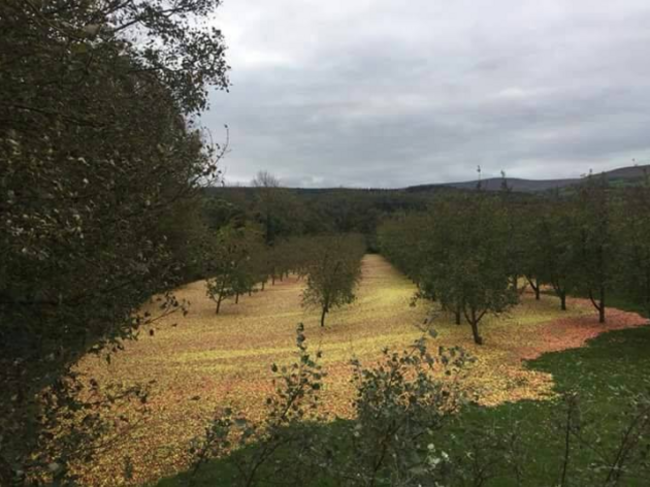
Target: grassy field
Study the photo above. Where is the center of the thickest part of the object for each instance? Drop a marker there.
(203, 362)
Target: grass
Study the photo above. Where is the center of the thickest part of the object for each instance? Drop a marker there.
(207, 362)
(605, 374)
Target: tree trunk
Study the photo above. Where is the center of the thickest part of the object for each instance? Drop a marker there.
(563, 301)
(534, 284)
(223, 287)
(457, 315)
(263, 284)
(237, 298)
(250, 292)
(473, 321)
(322, 317)
(6, 473)
(273, 279)
(477, 338)
(601, 307)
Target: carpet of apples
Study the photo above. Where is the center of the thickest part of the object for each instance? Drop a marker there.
(197, 364)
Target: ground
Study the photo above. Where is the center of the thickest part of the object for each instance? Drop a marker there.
(203, 362)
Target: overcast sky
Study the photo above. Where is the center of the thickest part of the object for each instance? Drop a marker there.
(391, 93)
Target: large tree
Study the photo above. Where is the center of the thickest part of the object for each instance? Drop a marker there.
(98, 156)
(471, 267)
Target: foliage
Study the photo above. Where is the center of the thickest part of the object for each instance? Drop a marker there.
(632, 242)
(596, 260)
(296, 399)
(97, 160)
(275, 208)
(294, 212)
(400, 242)
(400, 405)
(558, 252)
(232, 266)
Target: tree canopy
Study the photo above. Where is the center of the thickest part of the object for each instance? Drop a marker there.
(99, 157)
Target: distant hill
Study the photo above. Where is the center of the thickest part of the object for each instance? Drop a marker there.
(625, 176)
(621, 177)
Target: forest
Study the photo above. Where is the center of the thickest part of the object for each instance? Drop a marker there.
(338, 337)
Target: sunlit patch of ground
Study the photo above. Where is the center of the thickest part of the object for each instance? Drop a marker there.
(204, 361)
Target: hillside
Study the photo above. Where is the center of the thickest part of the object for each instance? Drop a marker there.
(625, 176)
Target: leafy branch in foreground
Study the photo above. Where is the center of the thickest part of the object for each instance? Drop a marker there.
(296, 398)
(400, 405)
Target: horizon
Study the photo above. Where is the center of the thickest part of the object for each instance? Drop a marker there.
(248, 184)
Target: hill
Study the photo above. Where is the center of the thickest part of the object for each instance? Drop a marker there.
(625, 176)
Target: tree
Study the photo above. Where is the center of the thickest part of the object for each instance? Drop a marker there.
(270, 205)
(98, 159)
(558, 256)
(471, 268)
(513, 211)
(265, 179)
(596, 259)
(533, 240)
(232, 272)
(631, 230)
(333, 273)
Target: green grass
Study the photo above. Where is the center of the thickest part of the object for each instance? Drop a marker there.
(605, 374)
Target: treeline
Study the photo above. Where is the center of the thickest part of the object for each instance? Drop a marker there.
(284, 212)
(474, 252)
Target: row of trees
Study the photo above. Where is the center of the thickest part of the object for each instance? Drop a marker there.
(472, 252)
(239, 262)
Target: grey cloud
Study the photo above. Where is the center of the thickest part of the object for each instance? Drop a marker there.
(388, 94)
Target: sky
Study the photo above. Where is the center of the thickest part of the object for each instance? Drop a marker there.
(392, 93)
